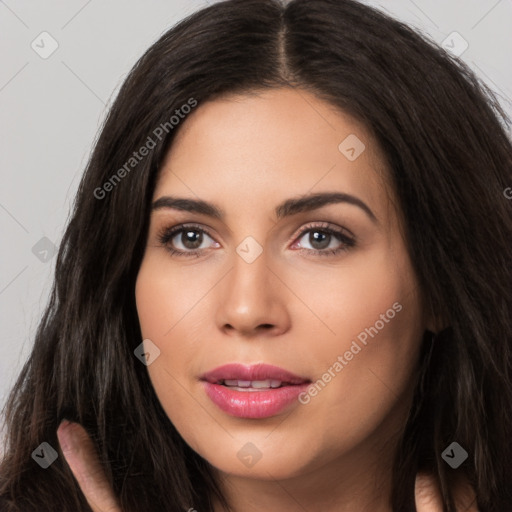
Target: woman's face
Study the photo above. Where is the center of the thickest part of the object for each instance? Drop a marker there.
(323, 290)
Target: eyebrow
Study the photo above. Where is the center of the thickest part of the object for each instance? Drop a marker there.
(285, 209)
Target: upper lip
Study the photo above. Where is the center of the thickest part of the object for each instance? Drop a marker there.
(260, 371)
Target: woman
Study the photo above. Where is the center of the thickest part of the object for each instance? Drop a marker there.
(285, 284)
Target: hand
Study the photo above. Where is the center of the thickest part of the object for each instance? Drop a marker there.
(80, 454)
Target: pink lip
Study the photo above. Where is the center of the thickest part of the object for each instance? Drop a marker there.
(252, 404)
(259, 371)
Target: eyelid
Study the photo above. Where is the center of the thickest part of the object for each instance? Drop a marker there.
(345, 236)
(324, 225)
(168, 233)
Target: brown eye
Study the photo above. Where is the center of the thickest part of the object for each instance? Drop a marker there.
(185, 240)
(192, 237)
(324, 240)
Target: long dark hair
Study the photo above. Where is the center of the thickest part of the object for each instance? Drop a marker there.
(443, 134)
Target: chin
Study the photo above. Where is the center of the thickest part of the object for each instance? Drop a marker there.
(245, 459)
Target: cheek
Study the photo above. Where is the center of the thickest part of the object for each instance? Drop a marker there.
(370, 361)
(373, 296)
(165, 294)
(171, 315)
(368, 355)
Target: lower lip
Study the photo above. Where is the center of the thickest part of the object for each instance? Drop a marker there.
(253, 404)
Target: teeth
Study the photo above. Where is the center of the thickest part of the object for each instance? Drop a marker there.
(238, 383)
(256, 384)
(260, 384)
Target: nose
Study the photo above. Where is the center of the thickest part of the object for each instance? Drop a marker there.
(252, 299)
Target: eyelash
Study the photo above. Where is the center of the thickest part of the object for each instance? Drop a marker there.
(167, 234)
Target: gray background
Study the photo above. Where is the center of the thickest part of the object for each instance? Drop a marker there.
(51, 109)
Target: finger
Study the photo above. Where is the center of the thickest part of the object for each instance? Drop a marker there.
(465, 498)
(427, 494)
(79, 452)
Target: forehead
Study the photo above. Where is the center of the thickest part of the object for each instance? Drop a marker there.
(263, 146)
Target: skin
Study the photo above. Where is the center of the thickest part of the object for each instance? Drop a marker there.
(291, 307)
(81, 456)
